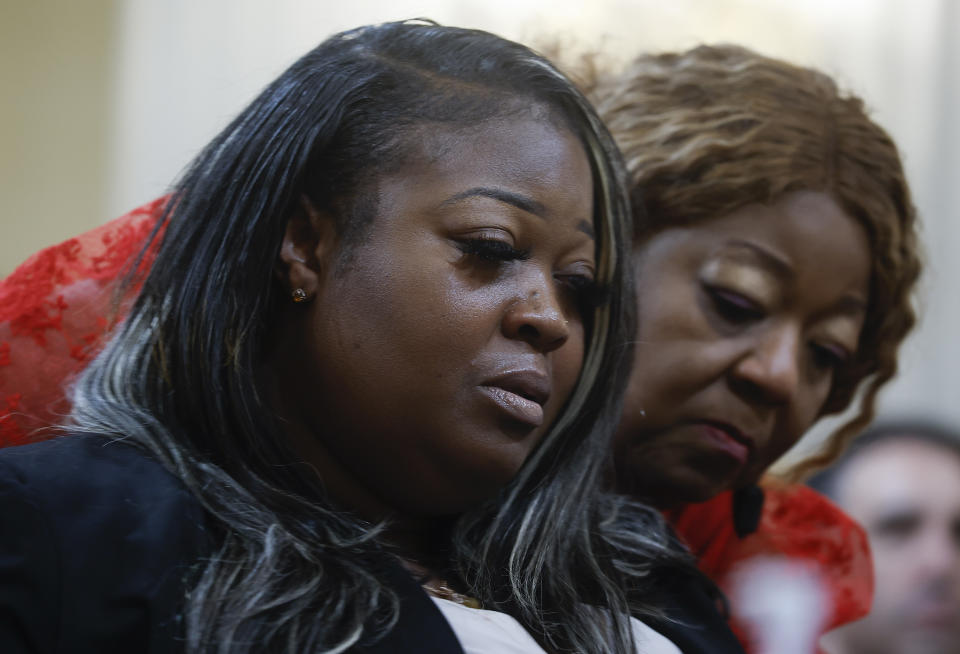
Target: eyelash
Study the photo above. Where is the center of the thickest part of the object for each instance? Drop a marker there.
(733, 307)
(827, 357)
(586, 291)
(492, 250)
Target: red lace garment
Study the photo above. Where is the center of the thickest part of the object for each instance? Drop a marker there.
(797, 522)
(55, 311)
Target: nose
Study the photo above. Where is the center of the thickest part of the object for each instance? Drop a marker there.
(770, 368)
(536, 316)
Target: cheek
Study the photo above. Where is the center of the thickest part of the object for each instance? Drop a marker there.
(807, 410)
(676, 353)
(400, 311)
(896, 573)
(791, 429)
(672, 376)
(377, 335)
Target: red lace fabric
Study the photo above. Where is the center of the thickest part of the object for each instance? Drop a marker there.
(797, 522)
(55, 311)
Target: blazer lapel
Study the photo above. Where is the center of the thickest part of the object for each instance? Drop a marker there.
(421, 627)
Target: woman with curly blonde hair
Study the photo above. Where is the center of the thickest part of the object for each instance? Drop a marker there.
(776, 252)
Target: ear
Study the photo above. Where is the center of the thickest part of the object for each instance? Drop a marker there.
(308, 248)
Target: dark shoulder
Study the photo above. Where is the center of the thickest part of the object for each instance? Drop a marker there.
(97, 543)
(694, 619)
(69, 460)
(88, 483)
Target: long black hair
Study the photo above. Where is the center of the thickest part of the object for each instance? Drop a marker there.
(290, 571)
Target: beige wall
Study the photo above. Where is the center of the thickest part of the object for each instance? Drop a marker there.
(55, 76)
(104, 102)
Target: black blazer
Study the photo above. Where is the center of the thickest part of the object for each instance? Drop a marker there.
(97, 541)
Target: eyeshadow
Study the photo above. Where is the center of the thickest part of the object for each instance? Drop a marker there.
(739, 276)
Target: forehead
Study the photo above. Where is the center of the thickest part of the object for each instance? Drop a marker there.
(518, 146)
(531, 153)
(803, 238)
(901, 474)
(804, 225)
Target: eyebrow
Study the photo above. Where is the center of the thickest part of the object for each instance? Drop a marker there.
(521, 202)
(851, 305)
(517, 200)
(848, 304)
(769, 260)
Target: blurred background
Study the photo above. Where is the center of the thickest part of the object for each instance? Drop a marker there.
(105, 101)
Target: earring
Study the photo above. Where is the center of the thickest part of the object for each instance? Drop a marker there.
(747, 509)
(299, 295)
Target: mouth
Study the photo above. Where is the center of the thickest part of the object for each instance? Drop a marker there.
(520, 395)
(729, 440)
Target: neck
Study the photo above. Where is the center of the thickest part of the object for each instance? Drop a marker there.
(412, 536)
(627, 484)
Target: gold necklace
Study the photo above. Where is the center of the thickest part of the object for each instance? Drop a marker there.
(438, 587)
(441, 589)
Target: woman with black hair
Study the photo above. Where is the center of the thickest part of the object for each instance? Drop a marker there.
(379, 351)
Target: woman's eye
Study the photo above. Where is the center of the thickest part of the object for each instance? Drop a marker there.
(585, 290)
(828, 357)
(896, 527)
(491, 250)
(735, 308)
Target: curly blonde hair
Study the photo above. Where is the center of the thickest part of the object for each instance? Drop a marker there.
(709, 130)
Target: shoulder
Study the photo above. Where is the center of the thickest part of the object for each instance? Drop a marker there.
(89, 483)
(693, 620)
(96, 542)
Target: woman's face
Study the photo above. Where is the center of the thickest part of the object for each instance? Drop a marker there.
(439, 354)
(742, 322)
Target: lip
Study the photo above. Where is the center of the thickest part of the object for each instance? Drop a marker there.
(728, 439)
(520, 394)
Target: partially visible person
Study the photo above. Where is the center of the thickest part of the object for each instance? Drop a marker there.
(776, 254)
(901, 481)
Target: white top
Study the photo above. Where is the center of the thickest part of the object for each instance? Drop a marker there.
(491, 632)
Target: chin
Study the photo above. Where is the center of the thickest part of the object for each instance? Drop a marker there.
(690, 488)
(468, 491)
(453, 503)
(694, 494)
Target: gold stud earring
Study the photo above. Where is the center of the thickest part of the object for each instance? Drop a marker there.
(299, 295)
